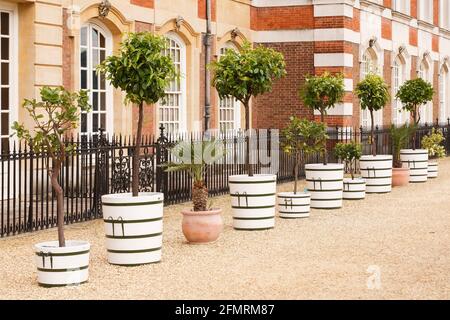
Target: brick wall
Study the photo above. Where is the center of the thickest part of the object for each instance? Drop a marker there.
(202, 9)
(144, 3)
(282, 18)
(272, 110)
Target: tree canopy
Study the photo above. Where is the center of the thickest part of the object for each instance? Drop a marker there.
(248, 72)
(323, 92)
(413, 94)
(141, 68)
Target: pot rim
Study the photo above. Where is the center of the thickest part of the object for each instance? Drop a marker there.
(336, 166)
(71, 246)
(212, 212)
(128, 197)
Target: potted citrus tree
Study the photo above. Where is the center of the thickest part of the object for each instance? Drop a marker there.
(201, 224)
(413, 94)
(63, 262)
(373, 94)
(349, 153)
(399, 139)
(301, 138)
(133, 221)
(242, 75)
(324, 180)
(433, 143)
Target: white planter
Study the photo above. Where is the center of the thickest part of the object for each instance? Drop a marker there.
(417, 162)
(354, 189)
(253, 201)
(62, 266)
(377, 171)
(325, 183)
(292, 206)
(433, 169)
(133, 228)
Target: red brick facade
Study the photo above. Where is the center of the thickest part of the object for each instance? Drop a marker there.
(273, 110)
(282, 18)
(144, 3)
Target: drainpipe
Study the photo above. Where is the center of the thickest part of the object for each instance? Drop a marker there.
(207, 43)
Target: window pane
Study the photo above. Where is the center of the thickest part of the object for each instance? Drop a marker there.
(84, 58)
(94, 80)
(83, 79)
(5, 48)
(95, 122)
(102, 41)
(103, 101)
(5, 98)
(83, 122)
(5, 124)
(95, 101)
(94, 38)
(83, 36)
(103, 121)
(5, 73)
(5, 145)
(4, 23)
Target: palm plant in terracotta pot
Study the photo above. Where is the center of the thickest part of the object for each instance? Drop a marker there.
(201, 224)
(399, 140)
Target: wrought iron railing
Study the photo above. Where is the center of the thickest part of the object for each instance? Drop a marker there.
(103, 165)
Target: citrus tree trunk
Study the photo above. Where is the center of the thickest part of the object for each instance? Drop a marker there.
(296, 166)
(372, 134)
(59, 200)
(415, 129)
(325, 151)
(248, 165)
(137, 153)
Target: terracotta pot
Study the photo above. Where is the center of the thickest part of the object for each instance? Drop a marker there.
(400, 177)
(202, 226)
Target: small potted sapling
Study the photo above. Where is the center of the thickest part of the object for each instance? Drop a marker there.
(242, 75)
(324, 180)
(63, 262)
(399, 139)
(349, 153)
(373, 94)
(413, 94)
(201, 224)
(433, 143)
(133, 221)
(301, 138)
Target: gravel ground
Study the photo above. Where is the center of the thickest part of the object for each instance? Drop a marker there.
(401, 239)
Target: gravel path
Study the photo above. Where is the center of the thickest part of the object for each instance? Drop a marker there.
(401, 239)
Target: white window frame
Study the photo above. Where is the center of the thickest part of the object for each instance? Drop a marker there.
(109, 110)
(13, 111)
(182, 126)
(444, 110)
(236, 105)
(399, 116)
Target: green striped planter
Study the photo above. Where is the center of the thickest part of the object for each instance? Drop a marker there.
(377, 171)
(133, 228)
(294, 205)
(417, 162)
(325, 183)
(62, 266)
(433, 169)
(253, 201)
(354, 189)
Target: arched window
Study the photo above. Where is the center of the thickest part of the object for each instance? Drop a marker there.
(95, 46)
(444, 112)
(398, 78)
(229, 108)
(172, 108)
(426, 111)
(369, 64)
